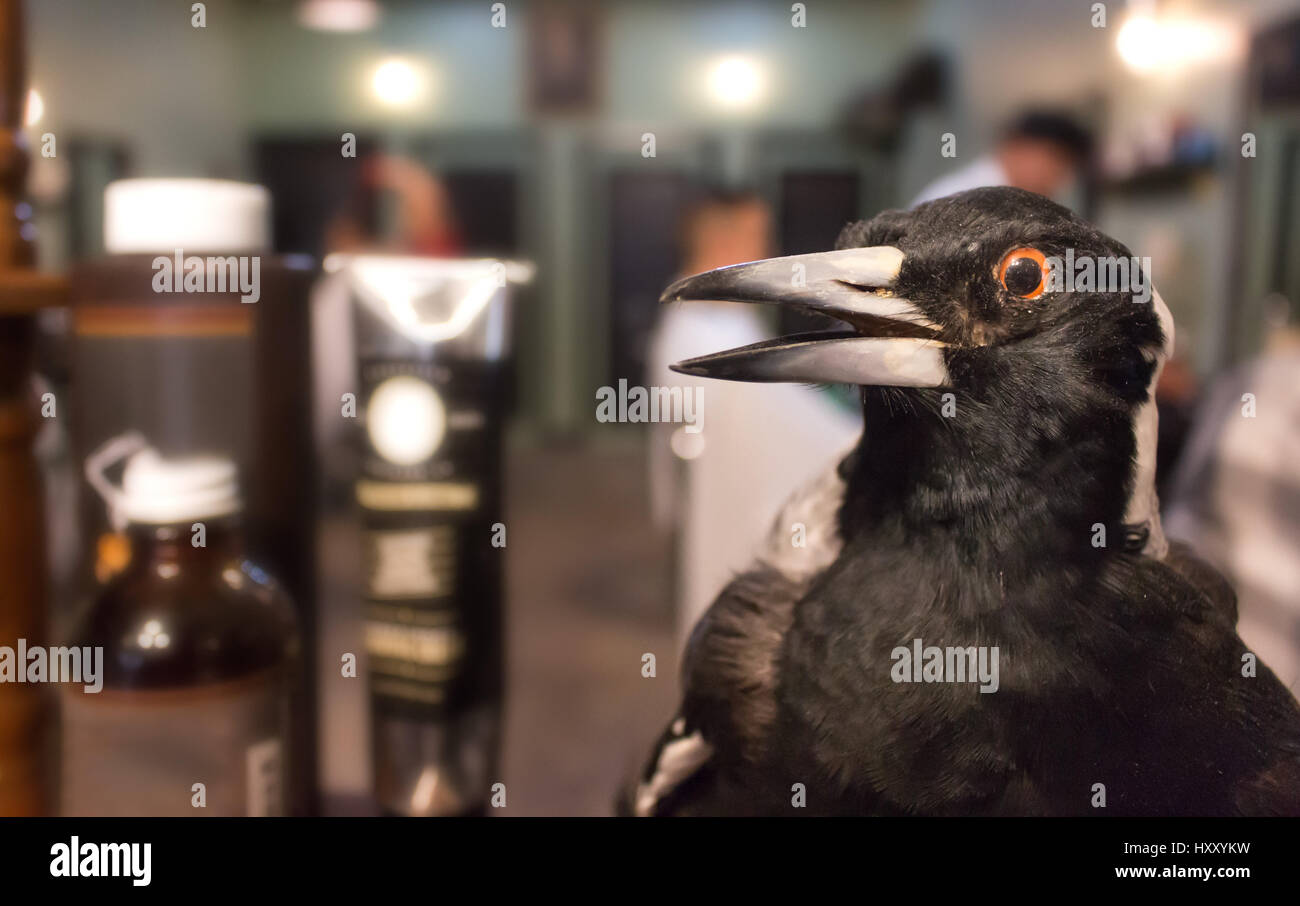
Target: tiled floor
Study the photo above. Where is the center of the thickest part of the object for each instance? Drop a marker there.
(589, 596)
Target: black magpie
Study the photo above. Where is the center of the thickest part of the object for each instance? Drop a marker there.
(1000, 505)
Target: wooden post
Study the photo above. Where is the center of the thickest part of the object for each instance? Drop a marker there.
(26, 753)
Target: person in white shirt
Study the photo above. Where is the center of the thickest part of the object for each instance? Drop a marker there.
(719, 490)
(1236, 495)
(1040, 150)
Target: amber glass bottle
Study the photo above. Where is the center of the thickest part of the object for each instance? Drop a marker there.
(200, 656)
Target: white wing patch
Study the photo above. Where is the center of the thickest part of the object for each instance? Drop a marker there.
(815, 506)
(678, 760)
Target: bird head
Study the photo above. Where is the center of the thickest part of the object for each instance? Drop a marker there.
(965, 301)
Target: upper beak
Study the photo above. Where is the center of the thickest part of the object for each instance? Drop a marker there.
(892, 342)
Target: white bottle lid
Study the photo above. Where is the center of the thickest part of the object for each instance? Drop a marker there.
(159, 491)
(199, 215)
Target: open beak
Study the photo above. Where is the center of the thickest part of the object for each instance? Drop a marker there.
(889, 341)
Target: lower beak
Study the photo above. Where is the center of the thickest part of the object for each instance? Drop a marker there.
(890, 342)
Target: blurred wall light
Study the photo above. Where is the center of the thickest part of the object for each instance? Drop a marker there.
(338, 15)
(735, 82)
(1148, 44)
(396, 83)
(35, 107)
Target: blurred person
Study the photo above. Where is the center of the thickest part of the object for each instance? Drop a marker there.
(721, 489)
(1236, 495)
(1042, 151)
(399, 207)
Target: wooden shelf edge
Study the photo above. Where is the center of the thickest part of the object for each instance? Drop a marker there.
(24, 292)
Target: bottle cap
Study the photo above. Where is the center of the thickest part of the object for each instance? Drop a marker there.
(199, 215)
(160, 491)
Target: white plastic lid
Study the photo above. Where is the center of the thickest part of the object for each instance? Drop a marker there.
(159, 491)
(200, 215)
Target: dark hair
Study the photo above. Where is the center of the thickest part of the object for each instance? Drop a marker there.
(1053, 127)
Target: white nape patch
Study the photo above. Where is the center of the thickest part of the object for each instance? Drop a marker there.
(815, 506)
(677, 761)
(1143, 503)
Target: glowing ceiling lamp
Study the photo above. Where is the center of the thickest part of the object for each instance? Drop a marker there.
(396, 83)
(1149, 44)
(735, 82)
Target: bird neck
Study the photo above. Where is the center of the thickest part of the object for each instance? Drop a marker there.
(995, 487)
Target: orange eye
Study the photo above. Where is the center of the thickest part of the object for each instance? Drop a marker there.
(1023, 273)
